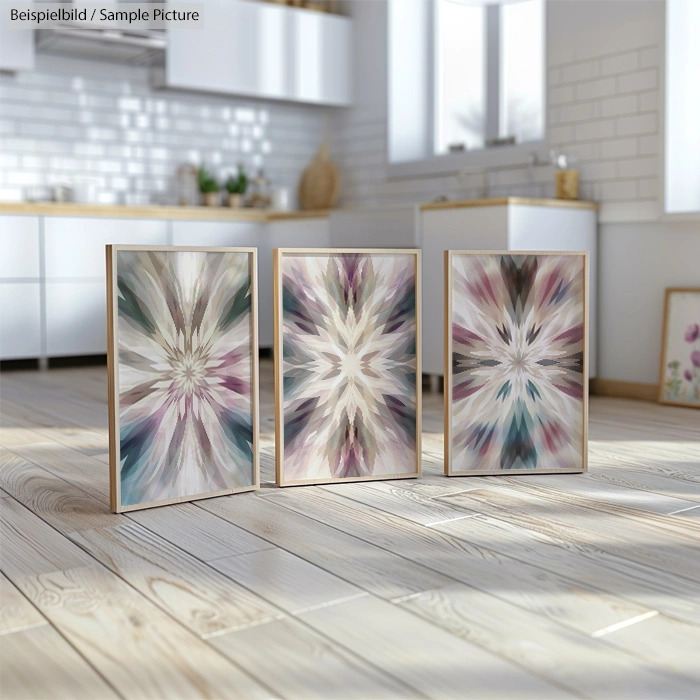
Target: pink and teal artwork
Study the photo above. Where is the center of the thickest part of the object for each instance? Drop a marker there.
(183, 363)
(680, 364)
(347, 344)
(516, 384)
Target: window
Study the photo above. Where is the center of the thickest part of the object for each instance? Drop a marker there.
(466, 77)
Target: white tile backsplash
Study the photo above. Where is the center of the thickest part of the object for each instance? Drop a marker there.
(72, 119)
(603, 111)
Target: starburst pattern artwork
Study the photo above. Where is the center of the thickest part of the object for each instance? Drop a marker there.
(184, 415)
(516, 374)
(348, 375)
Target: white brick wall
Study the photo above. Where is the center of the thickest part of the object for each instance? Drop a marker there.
(70, 119)
(603, 110)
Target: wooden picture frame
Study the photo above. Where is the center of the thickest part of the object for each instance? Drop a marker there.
(669, 394)
(448, 360)
(279, 256)
(113, 370)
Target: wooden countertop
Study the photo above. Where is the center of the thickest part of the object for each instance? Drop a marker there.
(113, 211)
(502, 201)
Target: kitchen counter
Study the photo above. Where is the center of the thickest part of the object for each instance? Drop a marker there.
(501, 201)
(114, 211)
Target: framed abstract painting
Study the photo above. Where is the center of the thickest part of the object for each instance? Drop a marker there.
(347, 365)
(516, 380)
(679, 384)
(183, 374)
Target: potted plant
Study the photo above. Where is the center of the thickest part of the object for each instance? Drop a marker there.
(209, 187)
(236, 185)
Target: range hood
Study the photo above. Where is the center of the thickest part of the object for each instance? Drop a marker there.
(116, 42)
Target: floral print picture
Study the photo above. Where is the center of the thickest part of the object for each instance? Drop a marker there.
(183, 372)
(680, 364)
(515, 380)
(348, 404)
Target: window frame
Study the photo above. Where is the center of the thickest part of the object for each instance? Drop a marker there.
(432, 164)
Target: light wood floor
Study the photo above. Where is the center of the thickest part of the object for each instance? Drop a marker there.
(537, 587)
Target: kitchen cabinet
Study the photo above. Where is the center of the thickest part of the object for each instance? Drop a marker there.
(20, 288)
(20, 320)
(321, 54)
(75, 274)
(76, 318)
(16, 45)
(382, 227)
(243, 234)
(263, 50)
(506, 224)
(75, 246)
(19, 247)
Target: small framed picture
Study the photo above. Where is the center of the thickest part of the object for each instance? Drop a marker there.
(182, 357)
(679, 383)
(347, 365)
(516, 375)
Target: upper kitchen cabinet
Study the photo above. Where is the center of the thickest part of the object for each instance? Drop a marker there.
(16, 45)
(264, 50)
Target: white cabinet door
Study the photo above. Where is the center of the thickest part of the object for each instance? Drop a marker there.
(16, 45)
(244, 234)
(321, 46)
(19, 247)
(75, 247)
(76, 318)
(386, 227)
(242, 48)
(259, 49)
(20, 320)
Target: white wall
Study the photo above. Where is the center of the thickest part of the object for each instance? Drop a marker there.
(71, 119)
(605, 80)
(637, 261)
(604, 85)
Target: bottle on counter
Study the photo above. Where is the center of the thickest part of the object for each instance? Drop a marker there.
(260, 191)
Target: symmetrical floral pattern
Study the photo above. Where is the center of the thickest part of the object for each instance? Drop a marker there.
(517, 362)
(185, 374)
(681, 383)
(349, 370)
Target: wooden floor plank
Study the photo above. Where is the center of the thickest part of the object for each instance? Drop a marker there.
(199, 532)
(558, 517)
(61, 503)
(16, 612)
(286, 580)
(31, 546)
(38, 664)
(519, 583)
(87, 473)
(436, 663)
(202, 599)
(644, 481)
(546, 648)
(601, 492)
(300, 664)
(137, 648)
(651, 588)
(673, 644)
(537, 566)
(416, 511)
(373, 569)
